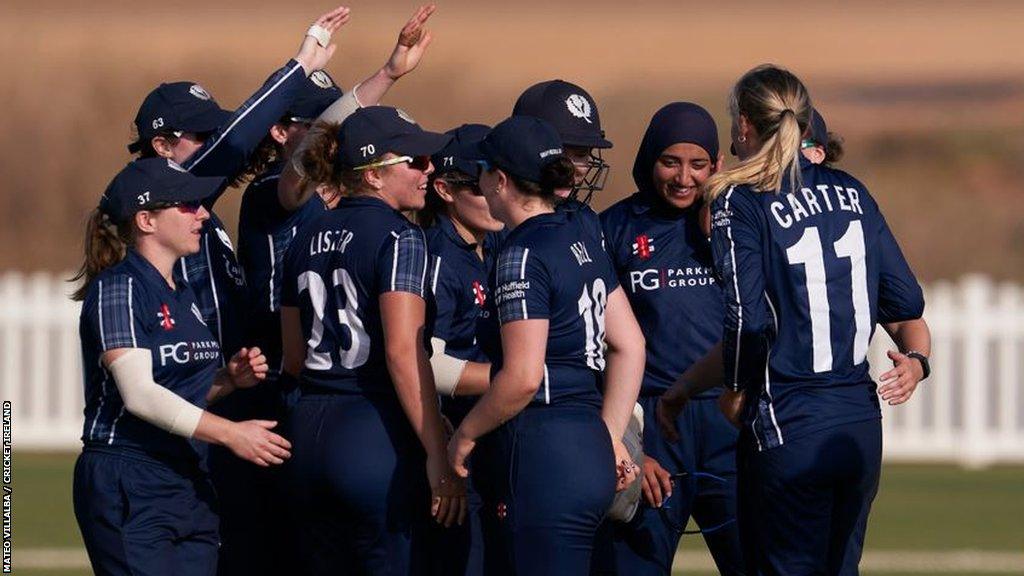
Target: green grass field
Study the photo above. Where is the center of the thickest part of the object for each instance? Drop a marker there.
(919, 508)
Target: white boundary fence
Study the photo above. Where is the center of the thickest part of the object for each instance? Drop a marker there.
(971, 411)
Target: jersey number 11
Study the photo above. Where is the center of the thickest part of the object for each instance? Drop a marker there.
(808, 252)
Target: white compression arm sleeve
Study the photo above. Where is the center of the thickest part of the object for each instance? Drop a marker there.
(143, 397)
(334, 114)
(447, 369)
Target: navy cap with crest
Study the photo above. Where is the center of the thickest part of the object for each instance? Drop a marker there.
(317, 93)
(370, 133)
(522, 146)
(817, 130)
(567, 107)
(461, 153)
(150, 183)
(177, 106)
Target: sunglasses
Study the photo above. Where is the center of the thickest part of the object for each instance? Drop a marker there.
(190, 207)
(421, 163)
(472, 185)
(807, 143)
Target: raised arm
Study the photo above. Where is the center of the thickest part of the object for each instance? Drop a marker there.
(226, 152)
(294, 189)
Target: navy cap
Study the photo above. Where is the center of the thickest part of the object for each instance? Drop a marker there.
(317, 93)
(177, 106)
(461, 153)
(817, 130)
(148, 183)
(522, 146)
(568, 108)
(371, 132)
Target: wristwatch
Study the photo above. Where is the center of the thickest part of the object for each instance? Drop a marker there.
(923, 360)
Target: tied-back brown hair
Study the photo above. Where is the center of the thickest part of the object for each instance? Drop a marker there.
(557, 174)
(106, 244)
(778, 106)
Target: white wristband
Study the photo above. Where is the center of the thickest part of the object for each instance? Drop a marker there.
(320, 34)
(447, 369)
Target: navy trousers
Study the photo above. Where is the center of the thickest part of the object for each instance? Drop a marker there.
(357, 487)
(548, 477)
(144, 517)
(804, 505)
(254, 536)
(703, 463)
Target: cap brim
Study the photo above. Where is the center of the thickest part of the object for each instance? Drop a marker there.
(586, 142)
(208, 121)
(419, 144)
(199, 188)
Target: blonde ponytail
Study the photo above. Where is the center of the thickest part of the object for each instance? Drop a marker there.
(778, 107)
(106, 244)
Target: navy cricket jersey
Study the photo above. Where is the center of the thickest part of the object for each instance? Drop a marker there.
(335, 271)
(130, 305)
(552, 267)
(265, 230)
(213, 272)
(807, 274)
(663, 261)
(587, 218)
(457, 303)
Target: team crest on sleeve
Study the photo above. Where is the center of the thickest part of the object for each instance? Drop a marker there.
(579, 107)
(166, 322)
(321, 79)
(199, 92)
(643, 246)
(198, 314)
(721, 218)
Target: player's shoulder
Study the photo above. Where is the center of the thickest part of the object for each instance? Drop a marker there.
(119, 283)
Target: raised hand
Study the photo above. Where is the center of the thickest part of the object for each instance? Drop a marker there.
(899, 384)
(412, 43)
(247, 367)
(312, 56)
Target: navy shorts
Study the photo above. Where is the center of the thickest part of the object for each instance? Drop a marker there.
(706, 453)
(804, 505)
(548, 478)
(357, 487)
(140, 516)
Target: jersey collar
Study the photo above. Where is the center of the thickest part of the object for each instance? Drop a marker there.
(448, 227)
(149, 273)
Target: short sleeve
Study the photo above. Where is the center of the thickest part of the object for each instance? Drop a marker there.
(523, 286)
(402, 263)
(445, 296)
(293, 259)
(899, 294)
(116, 314)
